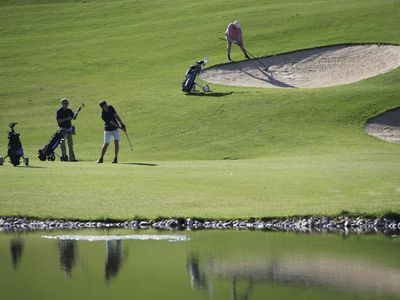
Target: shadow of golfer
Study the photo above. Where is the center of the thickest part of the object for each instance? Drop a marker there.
(35, 167)
(268, 79)
(140, 164)
(231, 158)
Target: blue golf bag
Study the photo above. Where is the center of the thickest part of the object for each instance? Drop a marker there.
(15, 151)
(189, 84)
(47, 151)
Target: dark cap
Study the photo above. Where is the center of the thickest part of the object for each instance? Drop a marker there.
(102, 103)
(64, 100)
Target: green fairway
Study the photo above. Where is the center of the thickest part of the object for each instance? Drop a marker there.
(318, 184)
(239, 152)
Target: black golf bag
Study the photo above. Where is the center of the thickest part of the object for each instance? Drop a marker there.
(189, 84)
(47, 151)
(15, 151)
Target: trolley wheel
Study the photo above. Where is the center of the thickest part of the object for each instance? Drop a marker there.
(26, 161)
(205, 88)
(1, 160)
(42, 156)
(51, 157)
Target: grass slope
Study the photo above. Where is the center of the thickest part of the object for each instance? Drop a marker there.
(298, 151)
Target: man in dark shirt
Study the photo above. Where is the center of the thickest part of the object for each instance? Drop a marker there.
(111, 124)
(64, 117)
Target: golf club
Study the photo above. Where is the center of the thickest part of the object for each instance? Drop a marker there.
(79, 109)
(127, 136)
(259, 61)
(252, 56)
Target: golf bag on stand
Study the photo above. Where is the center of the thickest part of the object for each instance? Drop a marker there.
(15, 151)
(189, 84)
(47, 151)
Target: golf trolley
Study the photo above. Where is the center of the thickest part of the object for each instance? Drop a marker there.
(15, 151)
(189, 84)
(47, 151)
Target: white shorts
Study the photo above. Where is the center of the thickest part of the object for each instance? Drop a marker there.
(108, 134)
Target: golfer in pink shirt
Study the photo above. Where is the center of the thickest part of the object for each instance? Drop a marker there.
(233, 34)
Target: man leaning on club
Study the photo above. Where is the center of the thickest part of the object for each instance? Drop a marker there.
(64, 117)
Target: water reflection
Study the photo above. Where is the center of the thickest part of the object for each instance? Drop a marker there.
(214, 266)
(244, 293)
(197, 278)
(114, 258)
(318, 271)
(67, 250)
(16, 249)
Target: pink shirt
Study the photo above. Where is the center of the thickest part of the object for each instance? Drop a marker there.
(234, 34)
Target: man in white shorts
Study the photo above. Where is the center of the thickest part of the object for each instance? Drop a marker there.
(111, 124)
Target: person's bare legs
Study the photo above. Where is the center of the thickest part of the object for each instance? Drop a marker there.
(103, 152)
(244, 51)
(116, 144)
(228, 49)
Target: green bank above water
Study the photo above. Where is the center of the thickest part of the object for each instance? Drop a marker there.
(305, 185)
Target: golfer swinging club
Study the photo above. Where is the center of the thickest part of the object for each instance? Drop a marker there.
(233, 34)
(111, 124)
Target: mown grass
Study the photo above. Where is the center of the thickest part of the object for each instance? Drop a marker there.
(296, 151)
(303, 185)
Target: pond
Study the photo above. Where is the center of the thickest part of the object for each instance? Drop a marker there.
(129, 264)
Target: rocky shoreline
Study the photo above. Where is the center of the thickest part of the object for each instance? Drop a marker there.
(307, 224)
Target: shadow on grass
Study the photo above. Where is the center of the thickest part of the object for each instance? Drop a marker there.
(140, 164)
(24, 167)
(210, 94)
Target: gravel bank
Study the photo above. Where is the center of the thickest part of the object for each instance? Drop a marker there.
(309, 224)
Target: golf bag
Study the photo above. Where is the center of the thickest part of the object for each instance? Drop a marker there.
(189, 84)
(15, 151)
(47, 151)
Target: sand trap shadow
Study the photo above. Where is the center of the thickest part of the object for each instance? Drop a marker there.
(310, 68)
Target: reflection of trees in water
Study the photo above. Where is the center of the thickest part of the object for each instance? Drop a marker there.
(68, 253)
(114, 258)
(197, 278)
(308, 271)
(16, 249)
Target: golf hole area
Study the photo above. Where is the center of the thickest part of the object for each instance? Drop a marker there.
(311, 68)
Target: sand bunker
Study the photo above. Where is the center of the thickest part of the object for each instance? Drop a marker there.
(385, 126)
(320, 67)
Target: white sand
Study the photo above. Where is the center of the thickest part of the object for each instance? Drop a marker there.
(386, 126)
(321, 67)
